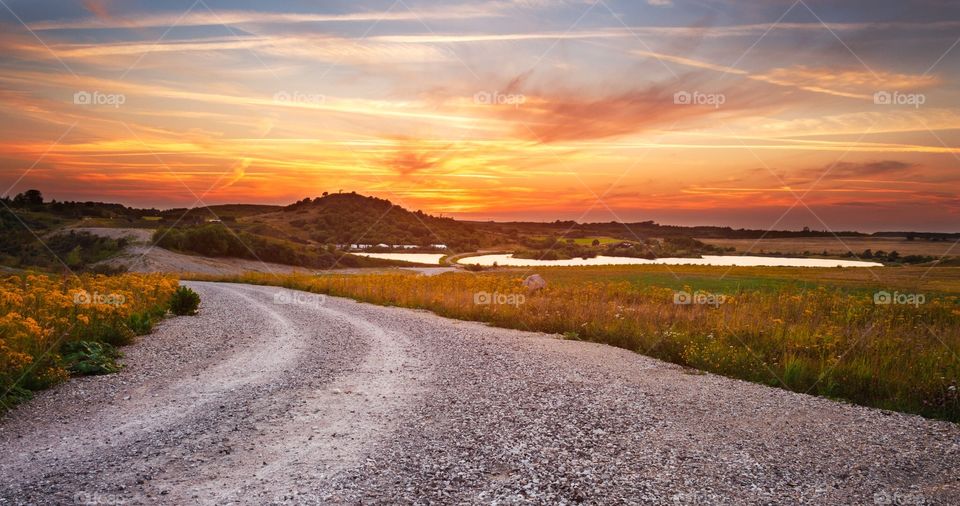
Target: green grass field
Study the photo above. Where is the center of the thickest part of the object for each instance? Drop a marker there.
(943, 280)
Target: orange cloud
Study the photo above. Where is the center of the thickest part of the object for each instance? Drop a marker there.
(409, 156)
(397, 112)
(99, 9)
(853, 83)
(201, 16)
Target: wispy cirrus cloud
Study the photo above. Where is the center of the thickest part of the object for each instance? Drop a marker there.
(400, 113)
(312, 48)
(845, 82)
(106, 19)
(856, 82)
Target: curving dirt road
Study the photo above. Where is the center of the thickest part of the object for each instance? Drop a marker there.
(298, 399)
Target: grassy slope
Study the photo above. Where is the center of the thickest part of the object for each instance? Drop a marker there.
(350, 218)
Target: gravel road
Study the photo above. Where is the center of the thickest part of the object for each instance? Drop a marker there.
(299, 399)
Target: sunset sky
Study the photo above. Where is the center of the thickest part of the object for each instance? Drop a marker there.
(509, 109)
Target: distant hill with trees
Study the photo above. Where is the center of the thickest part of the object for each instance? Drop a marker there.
(316, 232)
(350, 218)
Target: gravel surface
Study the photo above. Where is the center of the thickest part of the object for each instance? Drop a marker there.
(300, 399)
(149, 258)
(134, 235)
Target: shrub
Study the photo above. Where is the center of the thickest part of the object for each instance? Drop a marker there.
(184, 302)
(140, 323)
(90, 357)
(116, 333)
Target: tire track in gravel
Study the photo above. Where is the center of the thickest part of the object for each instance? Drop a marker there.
(283, 392)
(252, 365)
(327, 429)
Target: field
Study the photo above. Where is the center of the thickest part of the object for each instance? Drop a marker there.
(53, 326)
(943, 280)
(834, 246)
(817, 331)
(587, 241)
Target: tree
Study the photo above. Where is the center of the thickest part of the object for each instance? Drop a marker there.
(33, 198)
(29, 198)
(596, 242)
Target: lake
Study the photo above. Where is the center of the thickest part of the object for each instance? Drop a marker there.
(728, 260)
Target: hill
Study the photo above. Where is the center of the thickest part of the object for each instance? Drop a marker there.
(350, 218)
(645, 229)
(317, 232)
(223, 212)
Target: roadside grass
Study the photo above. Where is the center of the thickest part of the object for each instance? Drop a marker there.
(815, 331)
(52, 326)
